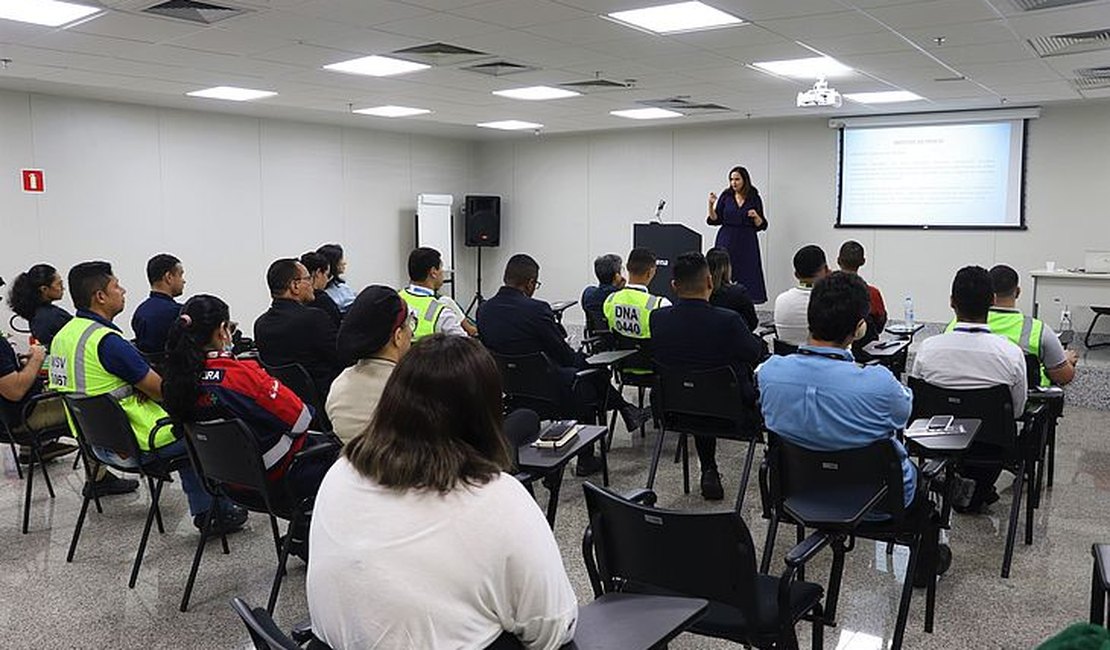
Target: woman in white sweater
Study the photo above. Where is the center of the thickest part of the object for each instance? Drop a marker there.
(419, 539)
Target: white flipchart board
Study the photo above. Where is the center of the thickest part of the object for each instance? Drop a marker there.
(435, 227)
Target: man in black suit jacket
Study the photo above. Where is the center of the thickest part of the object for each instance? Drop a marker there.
(512, 322)
(292, 332)
(695, 335)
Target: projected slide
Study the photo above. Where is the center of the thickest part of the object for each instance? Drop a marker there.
(935, 175)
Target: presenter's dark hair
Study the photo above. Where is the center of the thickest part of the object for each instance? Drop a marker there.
(314, 262)
(850, 257)
(749, 189)
(86, 279)
(972, 293)
(1004, 280)
(421, 262)
(26, 292)
(838, 303)
(607, 267)
(808, 261)
(520, 269)
(334, 254)
(689, 271)
(159, 265)
(281, 274)
(720, 267)
(640, 261)
(438, 423)
(189, 335)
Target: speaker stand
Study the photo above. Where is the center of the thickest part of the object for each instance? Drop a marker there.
(478, 298)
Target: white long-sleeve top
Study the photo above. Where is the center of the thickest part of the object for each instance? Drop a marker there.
(417, 570)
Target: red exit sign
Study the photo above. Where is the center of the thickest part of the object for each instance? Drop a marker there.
(34, 181)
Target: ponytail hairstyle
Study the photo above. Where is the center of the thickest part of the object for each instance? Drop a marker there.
(333, 253)
(189, 335)
(26, 293)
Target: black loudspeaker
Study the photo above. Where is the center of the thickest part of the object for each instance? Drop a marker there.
(483, 220)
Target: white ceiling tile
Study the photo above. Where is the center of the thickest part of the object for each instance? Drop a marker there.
(876, 43)
(979, 32)
(361, 13)
(1003, 73)
(783, 49)
(1061, 21)
(844, 23)
(1067, 65)
(585, 30)
(988, 53)
(438, 27)
(738, 36)
(136, 28)
(305, 56)
(760, 10)
(521, 13)
(916, 15)
(224, 41)
(370, 41)
(289, 25)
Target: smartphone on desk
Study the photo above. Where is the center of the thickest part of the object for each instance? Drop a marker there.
(939, 423)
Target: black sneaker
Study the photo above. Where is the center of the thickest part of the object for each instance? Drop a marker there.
(634, 417)
(587, 464)
(711, 489)
(230, 518)
(109, 485)
(49, 451)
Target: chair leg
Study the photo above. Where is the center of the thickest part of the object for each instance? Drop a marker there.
(800, 536)
(1098, 597)
(76, 460)
(15, 457)
(77, 528)
(1030, 500)
(817, 641)
(553, 488)
(201, 543)
(156, 491)
(907, 593)
(36, 453)
(745, 475)
(1015, 509)
(655, 458)
(678, 448)
(157, 510)
(608, 442)
(276, 533)
(685, 448)
(283, 557)
(836, 574)
(27, 493)
(769, 542)
(1051, 454)
(604, 465)
(640, 395)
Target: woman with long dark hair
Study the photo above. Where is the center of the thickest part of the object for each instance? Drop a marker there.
(202, 380)
(420, 539)
(726, 293)
(32, 297)
(739, 213)
(337, 288)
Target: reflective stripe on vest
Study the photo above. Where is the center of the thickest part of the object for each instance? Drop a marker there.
(427, 309)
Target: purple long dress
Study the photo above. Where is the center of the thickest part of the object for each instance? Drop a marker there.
(737, 236)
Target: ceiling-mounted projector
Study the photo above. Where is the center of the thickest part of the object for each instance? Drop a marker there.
(819, 95)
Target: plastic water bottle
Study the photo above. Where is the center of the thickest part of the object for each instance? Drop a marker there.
(907, 312)
(1065, 332)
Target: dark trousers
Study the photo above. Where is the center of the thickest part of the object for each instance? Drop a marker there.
(707, 451)
(983, 464)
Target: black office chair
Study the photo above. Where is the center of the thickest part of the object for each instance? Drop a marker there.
(704, 403)
(638, 549)
(998, 441)
(297, 379)
(1100, 311)
(783, 348)
(637, 371)
(1053, 398)
(228, 460)
(101, 422)
(809, 489)
(22, 434)
(598, 335)
(264, 632)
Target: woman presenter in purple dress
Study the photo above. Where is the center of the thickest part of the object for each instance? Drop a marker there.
(739, 213)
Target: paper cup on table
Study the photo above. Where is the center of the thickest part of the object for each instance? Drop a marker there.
(1050, 266)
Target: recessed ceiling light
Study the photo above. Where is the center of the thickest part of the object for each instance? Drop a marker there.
(646, 113)
(884, 97)
(376, 66)
(535, 93)
(391, 111)
(677, 17)
(510, 125)
(231, 93)
(815, 67)
(51, 13)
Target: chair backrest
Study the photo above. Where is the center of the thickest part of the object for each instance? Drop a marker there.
(225, 453)
(641, 549)
(703, 401)
(533, 381)
(782, 347)
(794, 471)
(1032, 370)
(993, 405)
(265, 634)
(102, 423)
(297, 379)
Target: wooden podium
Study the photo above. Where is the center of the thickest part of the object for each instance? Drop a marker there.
(667, 241)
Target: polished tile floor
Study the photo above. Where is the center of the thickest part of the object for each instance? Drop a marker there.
(47, 603)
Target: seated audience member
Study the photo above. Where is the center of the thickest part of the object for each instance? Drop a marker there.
(320, 270)
(513, 322)
(420, 539)
(19, 381)
(1030, 334)
(695, 335)
(791, 325)
(337, 288)
(204, 381)
(154, 316)
(607, 269)
(374, 336)
(851, 259)
(434, 313)
(291, 331)
(627, 310)
(115, 367)
(819, 398)
(726, 293)
(32, 298)
(971, 356)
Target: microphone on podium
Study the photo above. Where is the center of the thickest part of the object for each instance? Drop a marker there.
(659, 210)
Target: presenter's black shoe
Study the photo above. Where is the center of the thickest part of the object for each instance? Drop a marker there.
(711, 489)
(587, 465)
(634, 417)
(110, 484)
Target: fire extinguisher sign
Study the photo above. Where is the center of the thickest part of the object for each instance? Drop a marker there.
(34, 181)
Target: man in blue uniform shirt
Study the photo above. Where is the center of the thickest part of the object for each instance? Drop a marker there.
(154, 315)
(607, 269)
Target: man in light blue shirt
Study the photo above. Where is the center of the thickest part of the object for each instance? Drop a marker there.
(819, 398)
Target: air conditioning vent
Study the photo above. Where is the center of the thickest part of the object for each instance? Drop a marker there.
(1035, 5)
(597, 84)
(440, 54)
(195, 12)
(1092, 78)
(499, 68)
(684, 105)
(1074, 43)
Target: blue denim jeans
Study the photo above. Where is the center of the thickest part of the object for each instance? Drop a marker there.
(199, 500)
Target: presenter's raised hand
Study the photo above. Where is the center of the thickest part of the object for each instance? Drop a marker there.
(712, 206)
(756, 219)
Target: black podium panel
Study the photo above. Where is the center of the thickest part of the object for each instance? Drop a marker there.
(667, 241)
